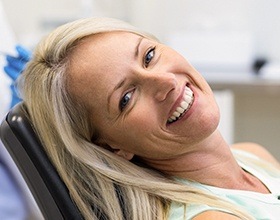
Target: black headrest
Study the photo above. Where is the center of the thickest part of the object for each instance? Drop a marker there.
(48, 189)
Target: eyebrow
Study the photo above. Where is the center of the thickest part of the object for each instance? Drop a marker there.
(138, 46)
(122, 81)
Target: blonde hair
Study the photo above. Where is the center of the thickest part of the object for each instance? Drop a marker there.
(102, 184)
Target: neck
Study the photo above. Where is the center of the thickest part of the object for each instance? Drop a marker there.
(210, 162)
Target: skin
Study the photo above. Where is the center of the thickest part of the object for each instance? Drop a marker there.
(107, 67)
(155, 89)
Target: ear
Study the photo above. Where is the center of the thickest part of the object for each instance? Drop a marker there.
(124, 154)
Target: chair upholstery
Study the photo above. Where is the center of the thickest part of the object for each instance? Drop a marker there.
(48, 189)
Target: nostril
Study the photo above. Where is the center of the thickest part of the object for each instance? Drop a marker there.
(163, 93)
(161, 84)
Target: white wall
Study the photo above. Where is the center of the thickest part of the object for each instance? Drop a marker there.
(31, 19)
(160, 17)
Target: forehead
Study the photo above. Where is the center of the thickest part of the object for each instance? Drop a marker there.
(111, 41)
(97, 61)
(101, 51)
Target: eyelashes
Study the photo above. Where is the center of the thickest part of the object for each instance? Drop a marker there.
(125, 100)
(149, 56)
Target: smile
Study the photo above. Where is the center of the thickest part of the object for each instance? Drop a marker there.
(184, 106)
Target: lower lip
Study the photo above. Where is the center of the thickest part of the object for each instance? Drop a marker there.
(189, 111)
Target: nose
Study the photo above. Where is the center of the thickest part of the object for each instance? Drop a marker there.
(160, 84)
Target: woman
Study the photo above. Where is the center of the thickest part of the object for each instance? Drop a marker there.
(132, 128)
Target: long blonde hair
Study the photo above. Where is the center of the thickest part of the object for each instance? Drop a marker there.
(103, 185)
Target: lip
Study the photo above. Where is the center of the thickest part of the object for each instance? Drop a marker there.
(178, 101)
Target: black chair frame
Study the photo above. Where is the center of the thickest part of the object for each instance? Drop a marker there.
(49, 191)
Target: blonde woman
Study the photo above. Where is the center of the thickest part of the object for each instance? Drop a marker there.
(131, 127)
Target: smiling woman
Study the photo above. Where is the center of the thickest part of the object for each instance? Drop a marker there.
(131, 127)
(139, 93)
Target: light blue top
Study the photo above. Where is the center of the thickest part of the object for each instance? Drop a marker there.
(260, 206)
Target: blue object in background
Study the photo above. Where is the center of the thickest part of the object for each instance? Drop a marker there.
(14, 67)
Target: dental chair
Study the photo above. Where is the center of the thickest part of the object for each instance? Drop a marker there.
(45, 184)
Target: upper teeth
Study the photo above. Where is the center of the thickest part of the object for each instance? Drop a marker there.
(184, 105)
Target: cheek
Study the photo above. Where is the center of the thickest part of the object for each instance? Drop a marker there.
(137, 132)
(208, 119)
(140, 124)
(202, 123)
(179, 63)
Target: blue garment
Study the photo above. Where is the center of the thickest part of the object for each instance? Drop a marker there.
(260, 206)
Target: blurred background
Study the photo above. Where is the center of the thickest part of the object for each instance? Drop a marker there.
(234, 44)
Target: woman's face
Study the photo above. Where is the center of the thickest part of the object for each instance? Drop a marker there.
(133, 87)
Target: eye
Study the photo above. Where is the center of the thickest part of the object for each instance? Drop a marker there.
(149, 56)
(125, 100)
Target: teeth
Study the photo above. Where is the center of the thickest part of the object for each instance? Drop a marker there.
(184, 105)
(173, 117)
(188, 92)
(180, 110)
(188, 99)
(176, 114)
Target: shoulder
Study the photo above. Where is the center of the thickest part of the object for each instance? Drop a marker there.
(215, 215)
(257, 150)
